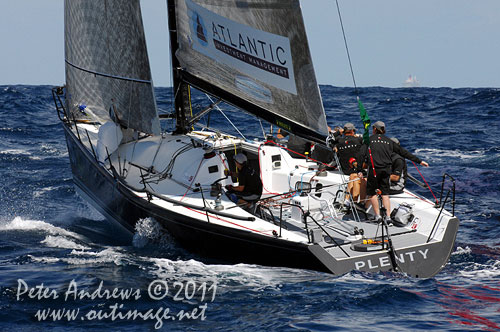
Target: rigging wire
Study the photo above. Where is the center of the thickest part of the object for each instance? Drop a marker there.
(190, 103)
(437, 202)
(357, 92)
(262, 127)
(364, 115)
(218, 108)
(347, 48)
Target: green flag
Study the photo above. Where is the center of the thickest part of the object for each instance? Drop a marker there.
(366, 121)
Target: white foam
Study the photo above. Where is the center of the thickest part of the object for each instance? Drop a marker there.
(440, 153)
(146, 230)
(108, 255)
(62, 242)
(483, 271)
(45, 260)
(16, 152)
(21, 224)
(240, 275)
(20, 152)
(461, 251)
(247, 276)
(149, 232)
(42, 191)
(50, 151)
(48, 148)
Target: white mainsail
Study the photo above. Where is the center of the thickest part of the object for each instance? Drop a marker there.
(253, 54)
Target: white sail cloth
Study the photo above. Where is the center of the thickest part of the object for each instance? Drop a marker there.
(257, 54)
(107, 63)
(109, 137)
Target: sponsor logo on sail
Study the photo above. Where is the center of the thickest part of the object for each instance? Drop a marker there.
(261, 55)
(201, 31)
(255, 52)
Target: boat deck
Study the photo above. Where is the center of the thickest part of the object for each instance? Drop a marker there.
(185, 175)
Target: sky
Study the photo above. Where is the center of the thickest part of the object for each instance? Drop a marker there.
(444, 43)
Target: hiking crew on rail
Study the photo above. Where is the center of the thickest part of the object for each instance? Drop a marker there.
(378, 156)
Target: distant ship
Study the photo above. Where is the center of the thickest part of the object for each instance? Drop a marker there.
(411, 82)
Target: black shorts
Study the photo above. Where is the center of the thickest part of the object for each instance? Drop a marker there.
(381, 181)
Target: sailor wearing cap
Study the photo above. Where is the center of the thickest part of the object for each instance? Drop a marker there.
(378, 157)
(249, 188)
(347, 149)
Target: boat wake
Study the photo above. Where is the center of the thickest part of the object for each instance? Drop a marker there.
(468, 277)
(443, 154)
(62, 242)
(149, 243)
(21, 224)
(477, 263)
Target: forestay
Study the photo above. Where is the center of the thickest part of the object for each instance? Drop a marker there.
(255, 55)
(107, 64)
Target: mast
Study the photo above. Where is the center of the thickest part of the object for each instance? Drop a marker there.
(181, 89)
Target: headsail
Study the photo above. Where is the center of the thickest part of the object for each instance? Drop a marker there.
(107, 64)
(255, 55)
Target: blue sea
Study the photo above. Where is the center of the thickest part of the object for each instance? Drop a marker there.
(63, 267)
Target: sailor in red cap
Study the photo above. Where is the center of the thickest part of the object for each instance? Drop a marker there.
(347, 149)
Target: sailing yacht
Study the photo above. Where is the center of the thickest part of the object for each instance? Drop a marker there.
(411, 82)
(253, 55)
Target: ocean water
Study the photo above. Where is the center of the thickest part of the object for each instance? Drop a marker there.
(63, 267)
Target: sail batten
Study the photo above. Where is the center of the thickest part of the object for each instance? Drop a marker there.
(109, 75)
(254, 53)
(107, 65)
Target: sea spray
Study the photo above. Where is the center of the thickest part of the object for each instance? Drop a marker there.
(146, 230)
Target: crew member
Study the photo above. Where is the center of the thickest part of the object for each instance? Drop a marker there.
(399, 171)
(324, 154)
(298, 146)
(378, 157)
(348, 148)
(249, 188)
(357, 184)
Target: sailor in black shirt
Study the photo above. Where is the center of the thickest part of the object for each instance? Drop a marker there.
(378, 155)
(348, 148)
(399, 172)
(249, 187)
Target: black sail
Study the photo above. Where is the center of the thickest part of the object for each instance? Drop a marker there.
(255, 55)
(107, 65)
